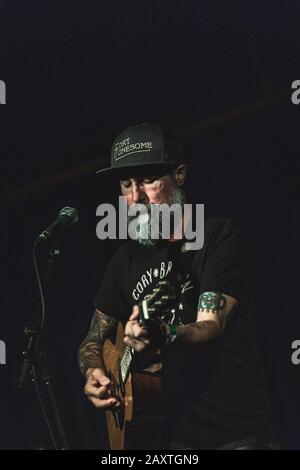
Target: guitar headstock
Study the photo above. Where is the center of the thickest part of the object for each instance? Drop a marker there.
(161, 303)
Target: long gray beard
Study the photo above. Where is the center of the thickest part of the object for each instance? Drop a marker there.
(142, 230)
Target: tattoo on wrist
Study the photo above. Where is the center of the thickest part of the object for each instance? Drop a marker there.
(215, 301)
(89, 356)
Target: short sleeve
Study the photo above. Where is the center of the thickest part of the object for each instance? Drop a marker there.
(226, 267)
(110, 298)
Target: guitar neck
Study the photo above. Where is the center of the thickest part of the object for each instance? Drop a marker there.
(157, 304)
(125, 362)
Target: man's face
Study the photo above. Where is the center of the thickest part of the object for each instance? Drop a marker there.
(150, 190)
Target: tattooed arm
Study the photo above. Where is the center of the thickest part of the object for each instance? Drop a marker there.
(213, 311)
(91, 348)
(91, 362)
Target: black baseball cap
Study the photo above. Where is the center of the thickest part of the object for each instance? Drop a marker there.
(141, 149)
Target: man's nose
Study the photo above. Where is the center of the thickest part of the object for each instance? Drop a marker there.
(138, 195)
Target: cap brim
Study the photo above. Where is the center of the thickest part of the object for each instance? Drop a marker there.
(142, 169)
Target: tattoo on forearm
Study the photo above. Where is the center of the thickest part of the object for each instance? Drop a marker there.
(211, 301)
(91, 348)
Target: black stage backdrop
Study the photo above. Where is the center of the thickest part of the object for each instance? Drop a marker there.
(76, 73)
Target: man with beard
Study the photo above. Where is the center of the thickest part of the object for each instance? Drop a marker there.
(216, 394)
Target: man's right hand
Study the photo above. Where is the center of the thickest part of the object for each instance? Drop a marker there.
(97, 389)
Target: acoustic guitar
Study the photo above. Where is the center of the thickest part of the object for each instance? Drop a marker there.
(139, 422)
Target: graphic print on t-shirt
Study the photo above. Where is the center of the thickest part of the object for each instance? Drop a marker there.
(150, 277)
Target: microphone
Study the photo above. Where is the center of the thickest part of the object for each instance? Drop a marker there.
(67, 217)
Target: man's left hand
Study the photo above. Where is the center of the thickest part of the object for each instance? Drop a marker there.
(136, 335)
(139, 337)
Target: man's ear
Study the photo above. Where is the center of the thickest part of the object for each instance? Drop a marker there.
(180, 174)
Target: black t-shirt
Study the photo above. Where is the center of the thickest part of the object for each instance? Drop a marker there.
(215, 391)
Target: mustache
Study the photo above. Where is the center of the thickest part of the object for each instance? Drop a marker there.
(177, 197)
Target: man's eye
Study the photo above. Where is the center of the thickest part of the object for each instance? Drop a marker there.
(149, 180)
(125, 183)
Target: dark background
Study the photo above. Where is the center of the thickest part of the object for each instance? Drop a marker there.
(217, 73)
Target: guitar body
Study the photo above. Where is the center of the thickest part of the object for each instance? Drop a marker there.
(139, 424)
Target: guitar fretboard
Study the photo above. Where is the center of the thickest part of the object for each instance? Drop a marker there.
(125, 362)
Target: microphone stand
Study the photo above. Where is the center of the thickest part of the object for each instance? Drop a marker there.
(35, 358)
